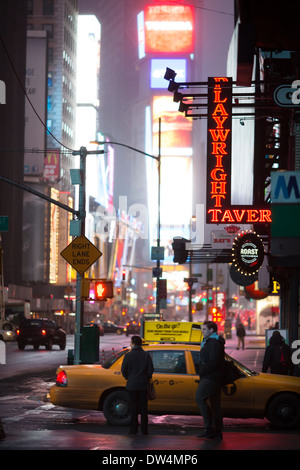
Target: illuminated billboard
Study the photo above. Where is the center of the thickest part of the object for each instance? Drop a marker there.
(176, 132)
(169, 29)
(158, 70)
(176, 168)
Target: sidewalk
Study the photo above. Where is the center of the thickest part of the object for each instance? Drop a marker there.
(142, 446)
(252, 341)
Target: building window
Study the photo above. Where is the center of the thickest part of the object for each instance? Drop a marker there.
(49, 29)
(49, 103)
(50, 55)
(29, 7)
(48, 7)
(50, 79)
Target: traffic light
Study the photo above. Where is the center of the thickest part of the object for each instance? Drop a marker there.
(96, 289)
(85, 288)
(162, 289)
(217, 316)
(180, 252)
(103, 290)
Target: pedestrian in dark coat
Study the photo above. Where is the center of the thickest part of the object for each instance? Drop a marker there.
(241, 333)
(278, 356)
(211, 371)
(137, 369)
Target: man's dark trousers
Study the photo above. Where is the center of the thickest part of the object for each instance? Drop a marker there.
(208, 398)
(138, 401)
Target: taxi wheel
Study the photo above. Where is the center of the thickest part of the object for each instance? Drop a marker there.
(116, 408)
(284, 411)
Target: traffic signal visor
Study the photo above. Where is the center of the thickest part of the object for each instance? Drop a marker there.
(180, 252)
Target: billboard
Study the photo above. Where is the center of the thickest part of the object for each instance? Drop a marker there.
(169, 29)
(36, 90)
(52, 165)
(158, 69)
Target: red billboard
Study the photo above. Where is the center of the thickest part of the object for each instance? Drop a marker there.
(51, 166)
(169, 29)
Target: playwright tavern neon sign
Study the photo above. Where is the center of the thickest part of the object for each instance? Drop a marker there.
(219, 129)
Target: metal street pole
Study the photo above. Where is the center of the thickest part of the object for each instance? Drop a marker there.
(82, 214)
(83, 152)
(158, 158)
(158, 217)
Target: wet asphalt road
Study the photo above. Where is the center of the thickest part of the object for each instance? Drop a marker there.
(30, 422)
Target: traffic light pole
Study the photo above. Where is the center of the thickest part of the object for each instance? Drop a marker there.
(83, 152)
(158, 158)
(79, 302)
(158, 218)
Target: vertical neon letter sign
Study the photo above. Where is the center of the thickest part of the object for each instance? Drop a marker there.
(218, 195)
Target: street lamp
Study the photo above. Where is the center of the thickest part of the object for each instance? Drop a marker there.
(81, 175)
(158, 159)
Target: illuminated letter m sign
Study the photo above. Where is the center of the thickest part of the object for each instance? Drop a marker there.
(285, 187)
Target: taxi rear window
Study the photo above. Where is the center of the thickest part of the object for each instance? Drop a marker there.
(169, 362)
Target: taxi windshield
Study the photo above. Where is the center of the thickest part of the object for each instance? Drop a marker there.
(242, 367)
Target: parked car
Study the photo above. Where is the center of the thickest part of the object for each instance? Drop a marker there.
(110, 327)
(40, 332)
(7, 332)
(133, 327)
(253, 395)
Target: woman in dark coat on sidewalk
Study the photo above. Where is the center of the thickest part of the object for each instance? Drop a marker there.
(278, 356)
(137, 369)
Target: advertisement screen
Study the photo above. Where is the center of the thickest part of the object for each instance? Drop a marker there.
(169, 28)
(158, 70)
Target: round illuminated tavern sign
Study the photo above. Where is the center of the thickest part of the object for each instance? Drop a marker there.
(248, 253)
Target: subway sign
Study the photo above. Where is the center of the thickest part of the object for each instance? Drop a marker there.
(219, 129)
(285, 187)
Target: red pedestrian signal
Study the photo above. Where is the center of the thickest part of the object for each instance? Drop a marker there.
(103, 290)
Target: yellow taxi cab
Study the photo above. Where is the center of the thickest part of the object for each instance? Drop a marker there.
(102, 387)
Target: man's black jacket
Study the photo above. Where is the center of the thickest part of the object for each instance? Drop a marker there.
(137, 368)
(212, 359)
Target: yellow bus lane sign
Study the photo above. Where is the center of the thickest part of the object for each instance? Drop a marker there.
(81, 254)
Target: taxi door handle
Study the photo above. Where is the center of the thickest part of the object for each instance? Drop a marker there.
(197, 381)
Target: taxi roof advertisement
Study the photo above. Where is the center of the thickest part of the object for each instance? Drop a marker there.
(172, 331)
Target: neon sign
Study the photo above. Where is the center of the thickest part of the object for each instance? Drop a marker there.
(219, 143)
(248, 253)
(219, 129)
